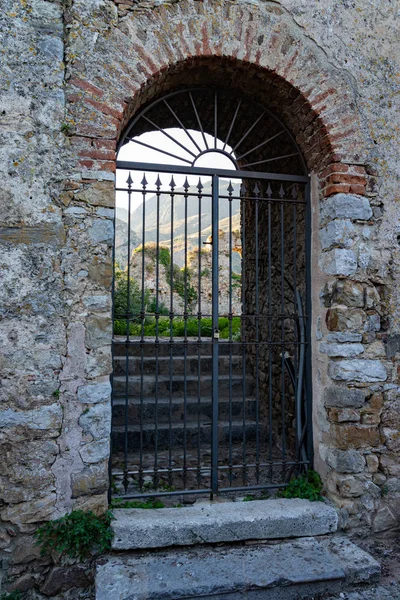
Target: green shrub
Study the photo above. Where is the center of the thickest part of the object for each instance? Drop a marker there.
(137, 299)
(162, 309)
(78, 534)
(16, 595)
(308, 487)
(178, 327)
(181, 282)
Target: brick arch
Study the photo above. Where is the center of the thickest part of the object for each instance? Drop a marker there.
(252, 47)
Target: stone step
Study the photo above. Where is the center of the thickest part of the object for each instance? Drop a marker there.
(190, 385)
(176, 349)
(177, 365)
(210, 523)
(179, 434)
(166, 409)
(290, 570)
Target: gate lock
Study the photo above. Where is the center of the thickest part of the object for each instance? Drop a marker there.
(216, 334)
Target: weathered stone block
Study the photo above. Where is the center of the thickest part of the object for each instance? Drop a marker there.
(227, 522)
(338, 262)
(97, 421)
(352, 435)
(364, 256)
(344, 319)
(341, 415)
(63, 578)
(379, 478)
(393, 345)
(372, 463)
(94, 393)
(50, 234)
(349, 293)
(337, 233)
(100, 193)
(375, 350)
(372, 298)
(92, 480)
(26, 466)
(95, 452)
(22, 584)
(352, 486)
(358, 370)
(76, 211)
(336, 396)
(343, 337)
(341, 350)
(376, 401)
(25, 550)
(392, 439)
(390, 464)
(108, 213)
(391, 415)
(370, 417)
(384, 520)
(346, 206)
(44, 418)
(373, 323)
(31, 512)
(97, 302)
(346, 461)
(102, 231)
(98, 331)
(100, 271)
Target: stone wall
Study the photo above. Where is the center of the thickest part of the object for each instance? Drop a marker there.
(73, 74)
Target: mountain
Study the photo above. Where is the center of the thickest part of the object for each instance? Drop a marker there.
(178, 233)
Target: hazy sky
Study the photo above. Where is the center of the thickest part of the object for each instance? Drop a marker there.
(136, 153)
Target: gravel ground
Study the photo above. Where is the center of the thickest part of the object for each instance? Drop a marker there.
(387, 553)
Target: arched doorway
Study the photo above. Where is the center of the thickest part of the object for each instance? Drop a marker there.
(211, 382)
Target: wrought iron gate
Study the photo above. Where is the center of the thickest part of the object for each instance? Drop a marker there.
(211, 375)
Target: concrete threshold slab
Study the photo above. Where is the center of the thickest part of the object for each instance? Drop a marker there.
(271, 571)
(227, 522)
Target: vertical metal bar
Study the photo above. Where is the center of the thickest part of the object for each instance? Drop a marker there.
(215, 349)
(230, 456)
(171, 340)
(270, 346)
(257, 334)
(185, 342)
(128, 313)
(157, 317)
(282, 345)
(142, 320)
(199, 188)
(296, 337)
(244, 336)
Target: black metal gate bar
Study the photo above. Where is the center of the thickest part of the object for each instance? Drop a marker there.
(272, 209)
(215, 333)
(222, 173)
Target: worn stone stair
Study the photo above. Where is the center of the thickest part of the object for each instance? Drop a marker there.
(268, 549)
(148, 400)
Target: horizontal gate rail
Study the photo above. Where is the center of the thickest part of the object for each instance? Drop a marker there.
(224, 173)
